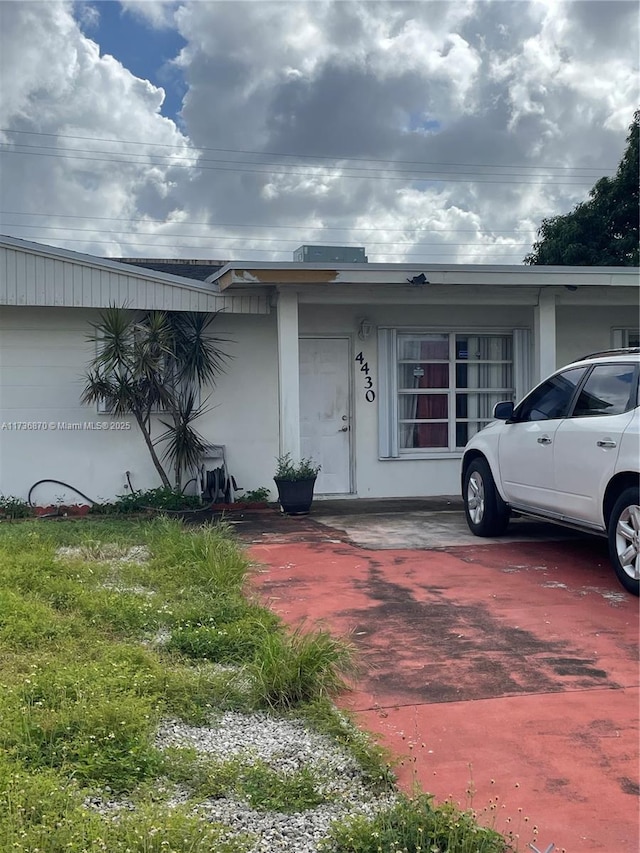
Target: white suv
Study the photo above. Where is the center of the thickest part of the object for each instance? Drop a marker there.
(569, 453)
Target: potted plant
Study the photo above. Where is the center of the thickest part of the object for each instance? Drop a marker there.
(295, 482)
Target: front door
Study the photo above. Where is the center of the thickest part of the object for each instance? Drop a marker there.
(325, 411)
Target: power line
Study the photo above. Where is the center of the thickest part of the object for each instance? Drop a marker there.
(258, 225)
(241, 237)
(271, 171)
(231, 251)
(595, 169)
(196, 162)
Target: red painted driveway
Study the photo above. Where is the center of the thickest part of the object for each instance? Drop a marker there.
(506, 674)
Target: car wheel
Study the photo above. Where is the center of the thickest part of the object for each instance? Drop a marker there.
(486, 512)
(624, 539)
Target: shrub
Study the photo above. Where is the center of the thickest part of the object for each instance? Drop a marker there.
(11, 507)
(161, 498)
(259, 495)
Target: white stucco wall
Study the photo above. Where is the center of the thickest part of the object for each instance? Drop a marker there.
(244, 404)
(584, 329)
(43, 353)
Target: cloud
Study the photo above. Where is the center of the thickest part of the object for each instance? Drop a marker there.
(157, 13)
(429, 130)
(67, 108)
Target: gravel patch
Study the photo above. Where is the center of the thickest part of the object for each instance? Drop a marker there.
(286, 746)
(289, 833)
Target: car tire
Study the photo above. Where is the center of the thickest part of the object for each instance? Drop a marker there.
(624, 539)
(486, 512)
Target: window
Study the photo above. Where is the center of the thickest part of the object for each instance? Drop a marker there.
(609, 390)
(625, 338)
(446, 386)
(552, 399)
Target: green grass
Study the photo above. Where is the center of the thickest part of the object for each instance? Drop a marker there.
(47, 812)
(108, 627)
(253, 781)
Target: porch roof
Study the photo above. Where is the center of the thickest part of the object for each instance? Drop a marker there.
(241, 274)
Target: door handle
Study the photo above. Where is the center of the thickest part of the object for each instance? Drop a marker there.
(344, 429)
(544, 439)
(606, 442)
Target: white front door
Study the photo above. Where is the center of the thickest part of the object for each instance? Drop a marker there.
(325, 411)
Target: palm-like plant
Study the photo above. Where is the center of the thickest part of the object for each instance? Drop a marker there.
(157, 361)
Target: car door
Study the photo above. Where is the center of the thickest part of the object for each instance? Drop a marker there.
(588, 442)
(526, 444)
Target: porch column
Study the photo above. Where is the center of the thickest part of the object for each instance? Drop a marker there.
(288, 373)
(544, 328)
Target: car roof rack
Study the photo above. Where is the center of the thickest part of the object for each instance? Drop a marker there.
(619, 351)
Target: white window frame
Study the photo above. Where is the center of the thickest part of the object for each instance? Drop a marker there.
(388, 400)
(620, 337)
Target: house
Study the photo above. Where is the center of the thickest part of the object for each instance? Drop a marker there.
(380, 372)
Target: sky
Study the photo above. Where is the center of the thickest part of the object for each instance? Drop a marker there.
(440, 131)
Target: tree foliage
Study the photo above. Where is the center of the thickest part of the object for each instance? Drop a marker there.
(604, 229)
(156, 362)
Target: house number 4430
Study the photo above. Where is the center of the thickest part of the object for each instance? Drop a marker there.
(369, 393)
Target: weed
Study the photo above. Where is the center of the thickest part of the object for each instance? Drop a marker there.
(50, 813)
(254, 781)
(374, 760)
(292, 669)
(414, 825)
(259, 495)
(223, 642)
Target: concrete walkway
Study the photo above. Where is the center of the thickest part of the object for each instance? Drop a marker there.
(505, 673)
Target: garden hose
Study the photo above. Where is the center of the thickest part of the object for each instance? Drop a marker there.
(59, 483)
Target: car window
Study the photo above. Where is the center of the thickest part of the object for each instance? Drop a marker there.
(609, 390)
(552, 399)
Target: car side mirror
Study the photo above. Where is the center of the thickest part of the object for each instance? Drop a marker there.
(503, 411)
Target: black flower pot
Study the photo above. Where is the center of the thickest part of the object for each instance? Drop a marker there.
(295, 496)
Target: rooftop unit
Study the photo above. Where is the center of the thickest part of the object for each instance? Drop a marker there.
(330, 254)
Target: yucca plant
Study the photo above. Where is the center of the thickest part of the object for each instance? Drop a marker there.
(156, 362)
